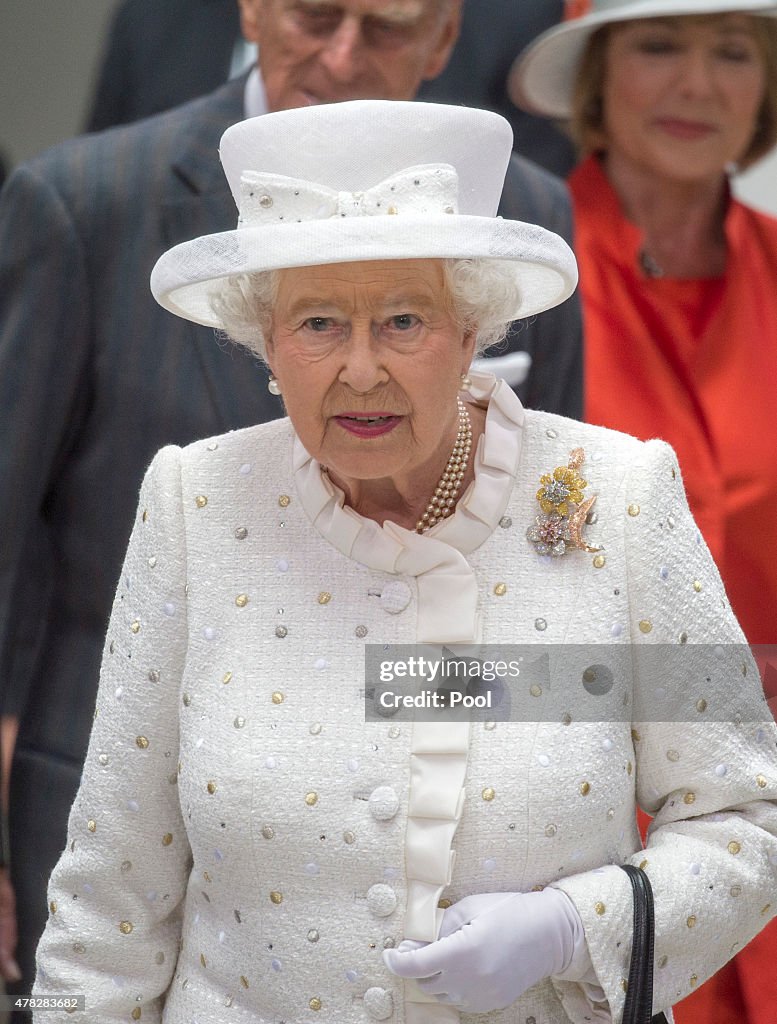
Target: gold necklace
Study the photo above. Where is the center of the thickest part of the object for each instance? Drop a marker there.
(443, 500)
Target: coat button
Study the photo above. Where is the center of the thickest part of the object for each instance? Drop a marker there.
(378, 1003)
(384, 803)
(395, 597)
(381, 900)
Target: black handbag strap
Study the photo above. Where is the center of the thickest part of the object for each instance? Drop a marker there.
(638, 1008)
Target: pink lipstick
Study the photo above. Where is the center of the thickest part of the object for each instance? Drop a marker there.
(687, 130)
(368, 424)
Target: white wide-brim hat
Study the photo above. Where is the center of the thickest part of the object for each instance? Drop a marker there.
(542, 79)
(365, 180)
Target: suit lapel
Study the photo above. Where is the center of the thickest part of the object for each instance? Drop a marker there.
(200, 203)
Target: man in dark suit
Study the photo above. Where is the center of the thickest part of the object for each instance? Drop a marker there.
(160, 55)
(95, 377)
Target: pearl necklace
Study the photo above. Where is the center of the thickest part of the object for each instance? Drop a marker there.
(443, 500)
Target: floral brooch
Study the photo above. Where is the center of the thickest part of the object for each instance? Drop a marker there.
(564, 509)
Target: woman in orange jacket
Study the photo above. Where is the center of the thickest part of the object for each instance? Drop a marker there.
(679, 287)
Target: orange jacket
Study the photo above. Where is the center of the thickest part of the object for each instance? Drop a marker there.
(695, 363)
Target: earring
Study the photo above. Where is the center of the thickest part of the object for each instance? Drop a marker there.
(273, 386)
(465, 382)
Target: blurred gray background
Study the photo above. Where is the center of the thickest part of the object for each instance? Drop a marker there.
(49, 55)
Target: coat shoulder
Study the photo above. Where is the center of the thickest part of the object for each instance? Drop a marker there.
(263, 444)
(102, 167)
(557, 434)
(611, 458)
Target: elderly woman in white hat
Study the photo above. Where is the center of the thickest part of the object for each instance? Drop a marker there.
(248, 844)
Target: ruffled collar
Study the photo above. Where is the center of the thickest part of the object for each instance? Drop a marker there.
(438, 557)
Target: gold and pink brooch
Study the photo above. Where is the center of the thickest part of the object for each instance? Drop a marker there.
(564, 510)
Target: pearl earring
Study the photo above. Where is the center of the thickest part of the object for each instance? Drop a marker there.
(273, 386)
(465, 382)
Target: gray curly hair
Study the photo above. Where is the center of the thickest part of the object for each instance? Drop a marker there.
(483, 293)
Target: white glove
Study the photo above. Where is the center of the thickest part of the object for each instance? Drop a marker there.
(492, 947)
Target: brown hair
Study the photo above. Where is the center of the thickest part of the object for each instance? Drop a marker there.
(586, 124)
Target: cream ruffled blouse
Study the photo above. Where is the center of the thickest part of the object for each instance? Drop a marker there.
(447, 614)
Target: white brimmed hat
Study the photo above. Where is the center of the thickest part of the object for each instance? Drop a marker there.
(365, 180)
(542, 79)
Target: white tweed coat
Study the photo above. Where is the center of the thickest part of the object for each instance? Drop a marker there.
(244, 845)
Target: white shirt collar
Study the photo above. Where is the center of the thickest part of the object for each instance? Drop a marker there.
(254, 97)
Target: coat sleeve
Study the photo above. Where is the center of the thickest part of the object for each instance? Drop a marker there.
(704, 751)
(554, 339)
(115, 897)
(45, 337)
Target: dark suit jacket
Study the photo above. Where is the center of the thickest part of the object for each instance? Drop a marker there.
(94, 378)
(493, 33)
(161, 53)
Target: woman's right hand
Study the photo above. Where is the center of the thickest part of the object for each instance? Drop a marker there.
(493, 947)
(9, 969)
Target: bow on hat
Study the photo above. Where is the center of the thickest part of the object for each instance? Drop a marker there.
(270, 198)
